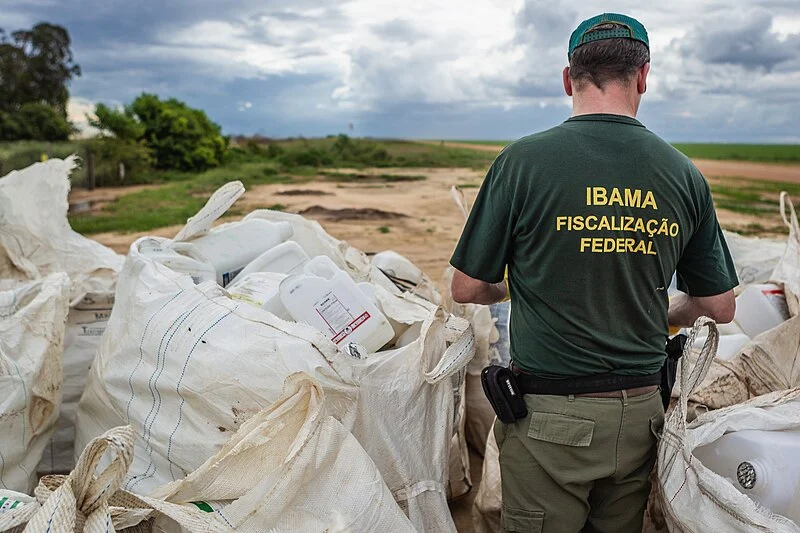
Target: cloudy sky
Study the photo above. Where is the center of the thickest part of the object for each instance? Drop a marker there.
(722, 70)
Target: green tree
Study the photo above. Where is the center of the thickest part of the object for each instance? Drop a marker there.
(179, 137)
(36, 66)
(122, 124)
(34, 122)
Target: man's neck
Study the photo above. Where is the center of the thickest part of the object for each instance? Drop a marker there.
(615, 100)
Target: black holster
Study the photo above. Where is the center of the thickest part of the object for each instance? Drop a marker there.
(501, 389)
(669, 372)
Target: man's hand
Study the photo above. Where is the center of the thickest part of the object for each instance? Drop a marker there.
(467, 290)
(685, 309)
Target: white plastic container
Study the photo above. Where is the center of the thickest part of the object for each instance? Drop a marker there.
(327, 299)
(399, 269)
(232, 247)
(286, 258)
(729, 345)
(261, 290)
(760, 308)
(764, 465)
(158, 251)
(398, 327)
(731, 328)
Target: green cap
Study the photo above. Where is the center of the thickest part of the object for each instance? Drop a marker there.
(583, 34)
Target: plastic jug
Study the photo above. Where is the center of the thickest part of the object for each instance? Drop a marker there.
(327, 299)
(398, 327)
(729, 345)
(286, 258)
(399, 269)
(261, 290)
(760, 308)
(232, 247)
(764, 465)
(158, 251)
(731, 328)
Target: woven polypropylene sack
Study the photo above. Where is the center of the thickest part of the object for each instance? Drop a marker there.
(754, 258)
(36, 240)
(185, 365)
(32, 318)
(769, 362)
(488, 506)
(290, 467)
(694, 499)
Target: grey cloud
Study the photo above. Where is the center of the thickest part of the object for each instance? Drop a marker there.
(541, 23)
(745, 41)
(398, 30)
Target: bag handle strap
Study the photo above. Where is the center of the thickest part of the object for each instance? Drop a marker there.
(458, 332)
(787, 206)
(691, 377)
(81, 494)
(222, 199)
(461, 200)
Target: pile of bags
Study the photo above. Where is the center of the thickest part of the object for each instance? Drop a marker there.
(296, 390)
(36, 244)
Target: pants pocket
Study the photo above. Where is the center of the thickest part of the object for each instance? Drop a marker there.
(657, 425)
(519, 521)
(561, 429)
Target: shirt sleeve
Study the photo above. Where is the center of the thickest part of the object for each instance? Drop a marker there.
(487, 240)
(706, 267)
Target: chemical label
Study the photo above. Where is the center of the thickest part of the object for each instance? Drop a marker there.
(777, 298)
(227, 277)
(341, 314)
(7, 504)
(210, 507)
(254, 292)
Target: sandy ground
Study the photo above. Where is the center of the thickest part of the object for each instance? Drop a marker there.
(421, 217)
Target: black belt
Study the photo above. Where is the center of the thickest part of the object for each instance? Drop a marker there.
(530, 384)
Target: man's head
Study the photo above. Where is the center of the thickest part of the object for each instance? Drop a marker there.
(608, 51)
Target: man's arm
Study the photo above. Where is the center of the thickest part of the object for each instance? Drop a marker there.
(467, 290)
(685, 309)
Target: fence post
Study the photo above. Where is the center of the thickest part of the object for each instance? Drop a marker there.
(90, 169)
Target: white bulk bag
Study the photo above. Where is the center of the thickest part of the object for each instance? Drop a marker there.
(754, 257)
(35, 236)
(290, 467)
(694, 499)
(487, 509)
(769, 362)
(32, 318)
(36, 240)
(185, 365)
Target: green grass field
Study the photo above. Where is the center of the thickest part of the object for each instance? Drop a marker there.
(765, 153)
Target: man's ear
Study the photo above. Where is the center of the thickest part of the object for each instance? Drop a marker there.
(641, 78)
(567, 81)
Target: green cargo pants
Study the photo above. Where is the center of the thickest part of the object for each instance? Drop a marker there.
(579, 464)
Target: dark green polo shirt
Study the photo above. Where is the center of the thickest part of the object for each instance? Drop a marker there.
(592, 218)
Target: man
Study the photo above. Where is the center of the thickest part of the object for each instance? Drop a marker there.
(591, 219)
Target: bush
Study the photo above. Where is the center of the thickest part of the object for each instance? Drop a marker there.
(178, 136)
(34, 122)
(109, 152)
